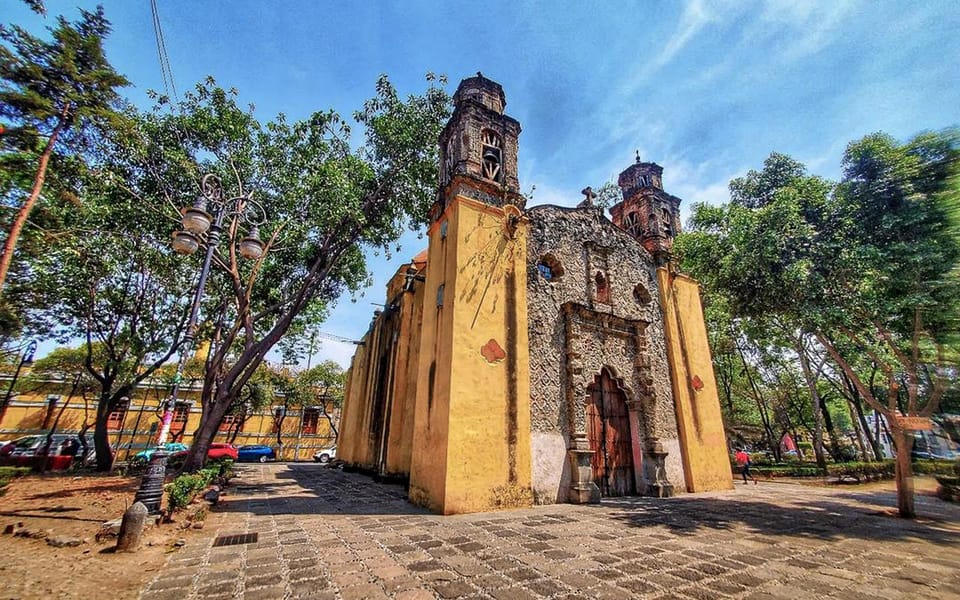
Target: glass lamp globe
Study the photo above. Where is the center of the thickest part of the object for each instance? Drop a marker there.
(196, 220)
(185, 242)
(251, 248)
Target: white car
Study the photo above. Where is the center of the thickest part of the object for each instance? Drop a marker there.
(325, 456)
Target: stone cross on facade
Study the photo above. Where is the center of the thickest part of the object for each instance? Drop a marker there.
(589, 197)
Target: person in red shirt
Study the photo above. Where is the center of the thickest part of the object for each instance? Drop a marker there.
(743, 461)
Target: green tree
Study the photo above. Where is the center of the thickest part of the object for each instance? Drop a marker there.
(54, 92)
(325, 200)
(112, 280)
(868, 270)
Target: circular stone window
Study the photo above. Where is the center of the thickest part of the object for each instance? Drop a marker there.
(549, 267)
(642, 295)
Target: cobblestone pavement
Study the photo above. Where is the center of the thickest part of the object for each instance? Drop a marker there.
(326, 534)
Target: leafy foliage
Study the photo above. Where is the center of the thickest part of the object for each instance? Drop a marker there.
(858, 281)
(54, 93)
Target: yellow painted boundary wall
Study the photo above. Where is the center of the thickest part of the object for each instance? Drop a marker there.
(703, 443)
(28, 411)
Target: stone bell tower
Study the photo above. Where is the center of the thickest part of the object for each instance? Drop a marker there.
(648, 213)
(472, 412)
(478, 148)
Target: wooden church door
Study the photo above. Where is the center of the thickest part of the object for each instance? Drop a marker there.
(608, 431)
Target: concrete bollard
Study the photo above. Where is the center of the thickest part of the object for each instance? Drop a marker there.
(131, 529)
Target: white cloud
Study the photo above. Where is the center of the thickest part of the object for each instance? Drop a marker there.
(339, 352)
(694, 17)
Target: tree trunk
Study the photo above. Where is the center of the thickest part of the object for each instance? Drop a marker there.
(101, 439)
(815, 401)
(202, 439)
(858, 430)
(831, 431)
(773, 444)
(210, 419)
(903, 440)
(862, 418)
(13, 236)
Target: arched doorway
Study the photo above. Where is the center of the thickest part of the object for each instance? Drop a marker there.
(608, 432)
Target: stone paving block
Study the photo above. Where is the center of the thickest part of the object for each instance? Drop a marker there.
(703, 592)
(522, 574)
(512, 593)
(419, 594)
(265, 593)
(255, 579)
(453, 589)
(579, 581)
(342, 579)
(389, 572)
(492, 582)
(610, 592)
(366, 591)
(400, 584)
(171, 594)
(439, 576)
(172, 583)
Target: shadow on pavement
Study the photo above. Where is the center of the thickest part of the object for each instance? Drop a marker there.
(794, 511)
(824, 516)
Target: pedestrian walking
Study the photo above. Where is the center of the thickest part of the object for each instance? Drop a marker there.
(743, 461)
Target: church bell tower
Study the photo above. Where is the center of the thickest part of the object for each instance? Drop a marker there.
(649, 214)
(472, 413)
(478, 148)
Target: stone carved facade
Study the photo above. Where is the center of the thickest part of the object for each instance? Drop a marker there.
(564, 362)
(575, 331)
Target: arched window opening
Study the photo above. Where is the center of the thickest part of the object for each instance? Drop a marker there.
(549, 267)
(631, 223)
(492, 154)
(641, 294)
(603, 288)
(667, 230)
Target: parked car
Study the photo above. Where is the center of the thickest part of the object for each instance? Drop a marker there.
(255, 453)
(215, 452)
(26, 451)
(325, 456)
(144, 456)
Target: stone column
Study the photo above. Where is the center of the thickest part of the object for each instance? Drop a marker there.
(582, 488)
(633, 412)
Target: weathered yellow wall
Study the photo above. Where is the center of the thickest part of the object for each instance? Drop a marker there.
(703, 444)
(354, 431)
(404, 393)
(431, 409)
(477, 419)
(488, 463)
(26, 413)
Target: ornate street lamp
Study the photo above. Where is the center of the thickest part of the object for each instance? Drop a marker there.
(199, 228)
(25, 359)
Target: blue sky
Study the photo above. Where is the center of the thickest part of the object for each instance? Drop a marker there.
(706, 89)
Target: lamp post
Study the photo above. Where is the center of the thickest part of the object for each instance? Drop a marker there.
(199, 227)
(25, 359)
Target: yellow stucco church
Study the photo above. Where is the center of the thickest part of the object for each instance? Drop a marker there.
(535, 355)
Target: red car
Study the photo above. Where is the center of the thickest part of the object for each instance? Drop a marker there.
(215, 452)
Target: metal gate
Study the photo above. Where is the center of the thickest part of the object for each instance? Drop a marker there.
(608, 431)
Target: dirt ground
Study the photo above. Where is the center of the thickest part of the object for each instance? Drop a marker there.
(71, 506)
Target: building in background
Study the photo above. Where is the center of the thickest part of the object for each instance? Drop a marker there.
(542, 354)
(133, 426)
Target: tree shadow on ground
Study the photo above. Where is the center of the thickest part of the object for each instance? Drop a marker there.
(308, 489)
(315, 489)
(823, 516)
(120, 487)
(42, 514)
